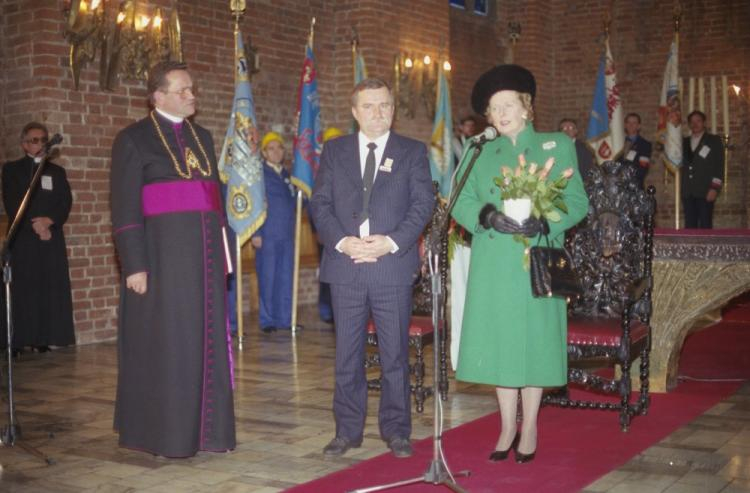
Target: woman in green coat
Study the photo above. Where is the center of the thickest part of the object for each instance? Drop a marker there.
(509, 338)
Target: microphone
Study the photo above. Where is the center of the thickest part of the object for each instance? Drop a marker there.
(56, 139)
(490, 133)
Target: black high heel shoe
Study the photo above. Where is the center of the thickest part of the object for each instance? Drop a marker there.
(498, 455)
(523, 458)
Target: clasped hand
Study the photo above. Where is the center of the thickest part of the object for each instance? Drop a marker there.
(491, 218)
(41, 226)
(367, 249)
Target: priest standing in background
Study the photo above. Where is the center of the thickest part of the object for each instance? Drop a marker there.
(42, 306)
(174, 389)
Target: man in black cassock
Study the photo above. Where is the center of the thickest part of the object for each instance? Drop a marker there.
(174, 388)
(42, 307)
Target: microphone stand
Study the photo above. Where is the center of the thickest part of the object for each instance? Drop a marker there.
(11, 433)
(455, 192)
(437, 472)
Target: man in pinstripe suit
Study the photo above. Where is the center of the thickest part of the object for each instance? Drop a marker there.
(371, 201)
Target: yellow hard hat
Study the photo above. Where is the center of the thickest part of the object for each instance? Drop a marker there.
(270, 136)
(331, 133)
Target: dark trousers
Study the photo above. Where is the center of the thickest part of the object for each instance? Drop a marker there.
(698, 212)
(325, 310)
(274, 263)
(390, 308)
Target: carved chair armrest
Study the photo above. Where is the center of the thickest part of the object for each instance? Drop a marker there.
(637, 289)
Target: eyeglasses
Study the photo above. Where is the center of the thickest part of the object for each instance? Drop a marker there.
(36, 140)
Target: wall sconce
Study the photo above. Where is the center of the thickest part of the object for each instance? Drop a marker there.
(415, 81)
(129, 40)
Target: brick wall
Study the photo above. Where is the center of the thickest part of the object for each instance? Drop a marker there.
(560, 42)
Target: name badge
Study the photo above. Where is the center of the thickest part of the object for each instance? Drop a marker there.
(630, 156)
(549, 145)
(387, 165)
(704, 151)
(46, 182)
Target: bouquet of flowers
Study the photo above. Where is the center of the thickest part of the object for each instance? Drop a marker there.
(530, 182)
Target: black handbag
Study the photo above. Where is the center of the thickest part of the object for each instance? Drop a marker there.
(553, 273)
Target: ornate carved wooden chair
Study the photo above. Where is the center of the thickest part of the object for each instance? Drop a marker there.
(609, 324)
(421, 330)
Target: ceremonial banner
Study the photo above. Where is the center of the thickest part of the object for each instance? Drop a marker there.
(360, 70)
(606, 133)
(240, 164)
(441, 152)
(669, 127)
(360, 74)
(308, 143)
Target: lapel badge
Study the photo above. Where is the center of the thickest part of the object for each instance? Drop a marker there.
(387, 165)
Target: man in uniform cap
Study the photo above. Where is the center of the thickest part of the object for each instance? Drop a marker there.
(274, 241)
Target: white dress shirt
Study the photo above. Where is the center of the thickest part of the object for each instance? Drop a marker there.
(364, 228)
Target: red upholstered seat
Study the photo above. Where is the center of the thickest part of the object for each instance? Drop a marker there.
(420, 325)
(586, 331)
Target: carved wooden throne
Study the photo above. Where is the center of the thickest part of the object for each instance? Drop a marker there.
(421, 330)
(609, 325)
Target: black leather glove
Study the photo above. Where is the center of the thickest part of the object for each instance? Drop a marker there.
(491, 218)
(533, 226)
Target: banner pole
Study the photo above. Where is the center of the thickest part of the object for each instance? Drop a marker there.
(238, 289)
(677, 199)
(676, 18)
(295, 277)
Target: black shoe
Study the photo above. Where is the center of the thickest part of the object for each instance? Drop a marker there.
(268, 330)
(523, 458)
(338, 447)
(498, 455)
(42, 349)
(401, 447)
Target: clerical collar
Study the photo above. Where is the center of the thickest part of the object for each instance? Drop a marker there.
(171, 118)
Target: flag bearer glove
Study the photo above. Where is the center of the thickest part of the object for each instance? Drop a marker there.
(491, 218)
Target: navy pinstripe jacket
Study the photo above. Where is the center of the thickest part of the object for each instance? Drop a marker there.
(401, 204)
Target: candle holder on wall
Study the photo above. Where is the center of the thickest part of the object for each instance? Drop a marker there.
(415, 82)
(129, 39)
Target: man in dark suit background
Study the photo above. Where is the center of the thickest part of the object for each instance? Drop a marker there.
(371, 201)
(637, 150)
(585, 157)
(702, 171)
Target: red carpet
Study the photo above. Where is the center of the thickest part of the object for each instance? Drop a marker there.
(575, 446)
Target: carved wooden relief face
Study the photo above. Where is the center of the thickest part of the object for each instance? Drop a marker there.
(608, 233)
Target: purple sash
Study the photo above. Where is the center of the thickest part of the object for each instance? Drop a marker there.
(181, 196)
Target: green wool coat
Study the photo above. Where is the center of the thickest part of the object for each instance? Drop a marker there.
(508, 337)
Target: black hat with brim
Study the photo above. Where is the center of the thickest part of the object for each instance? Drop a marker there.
(501, 78)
